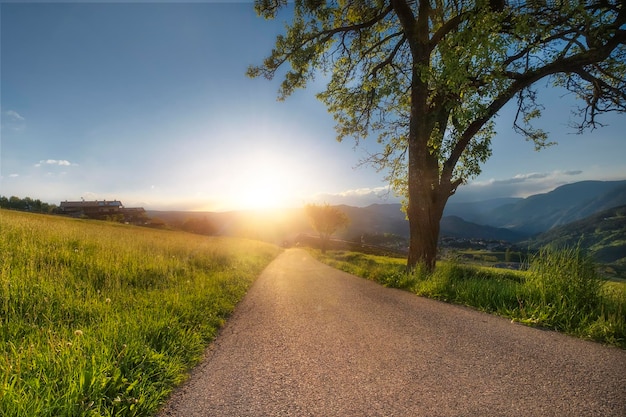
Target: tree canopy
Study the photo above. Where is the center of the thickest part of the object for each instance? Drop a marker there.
(425, 78)
(26, 204)
(326, 220)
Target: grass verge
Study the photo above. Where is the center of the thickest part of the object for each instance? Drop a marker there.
(101, 319)
(561, 290)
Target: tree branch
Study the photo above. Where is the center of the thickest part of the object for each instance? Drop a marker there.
(593, 101)
(389, 59)
(570, 64)
(269, 69)
(407, 20)
(446, 28)
(382, 41)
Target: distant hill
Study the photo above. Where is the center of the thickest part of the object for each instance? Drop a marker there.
(541, 212)
(603, 234)
(376, 219)
(270, 225)
(510, 219)
(478, 211)
(454, 226)
(389, 218)
(495, 218)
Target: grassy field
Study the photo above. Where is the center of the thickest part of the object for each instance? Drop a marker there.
(102, 319)
(561, 290)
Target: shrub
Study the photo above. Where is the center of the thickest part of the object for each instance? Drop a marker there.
(563, 286)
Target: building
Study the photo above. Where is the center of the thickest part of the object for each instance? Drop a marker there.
(102, 210)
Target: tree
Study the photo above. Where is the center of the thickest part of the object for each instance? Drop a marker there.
(427, 77)
(326, 220)
(201, 226)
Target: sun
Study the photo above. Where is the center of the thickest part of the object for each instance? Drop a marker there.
(263, 182)
(261, 194)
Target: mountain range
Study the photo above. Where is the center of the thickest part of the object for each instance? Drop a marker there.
(541, 212)
(511, 219)
(508, 219)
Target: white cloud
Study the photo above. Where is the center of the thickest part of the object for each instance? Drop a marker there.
(359, 197)
(12, 120)
(14, 175)
(520, 185)
(14, 116)
(58, 162)
(361, 192)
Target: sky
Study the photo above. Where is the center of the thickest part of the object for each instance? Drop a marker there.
(149, 104)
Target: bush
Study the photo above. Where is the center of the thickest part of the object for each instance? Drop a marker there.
(563, 287)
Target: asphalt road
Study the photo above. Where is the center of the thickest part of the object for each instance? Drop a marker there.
(308, 340)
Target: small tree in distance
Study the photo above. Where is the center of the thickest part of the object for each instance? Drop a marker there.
(326, 220)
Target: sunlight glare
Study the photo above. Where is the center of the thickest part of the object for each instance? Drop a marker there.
(264, 182)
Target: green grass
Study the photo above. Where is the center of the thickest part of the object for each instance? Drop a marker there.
(561, 290)
(99, 319)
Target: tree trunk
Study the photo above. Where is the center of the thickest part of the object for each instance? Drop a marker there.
(424, 229)
(324, 242)
(426, 194)
(427, 199)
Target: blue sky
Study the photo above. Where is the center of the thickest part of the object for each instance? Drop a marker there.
(149, 104)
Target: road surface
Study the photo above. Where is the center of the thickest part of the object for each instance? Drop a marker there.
(308, 340)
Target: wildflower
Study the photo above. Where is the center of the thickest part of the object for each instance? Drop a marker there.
(78, 332)
(68, 344)
(108, 300)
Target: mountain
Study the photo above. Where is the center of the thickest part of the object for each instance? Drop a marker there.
(510, 219)
(281, 225)
(603, 234)
(541, 212)
(272, 225)
(375, 219)
(454, 226)
(389, 218)
(478, 211)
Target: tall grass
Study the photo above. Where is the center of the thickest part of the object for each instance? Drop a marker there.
(563, 287)
(561, 290)
(100, 319)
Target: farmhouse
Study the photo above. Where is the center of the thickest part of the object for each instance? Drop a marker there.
(102, 210)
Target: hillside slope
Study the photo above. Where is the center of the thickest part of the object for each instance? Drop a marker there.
(376, 219)
(477, 211)
(541, 212)
(602, 234)
(454, 226)
(509, 219)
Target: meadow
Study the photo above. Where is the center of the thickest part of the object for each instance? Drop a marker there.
(104, 319)
(560, 290)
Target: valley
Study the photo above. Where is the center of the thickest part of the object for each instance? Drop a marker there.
(498, 232)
